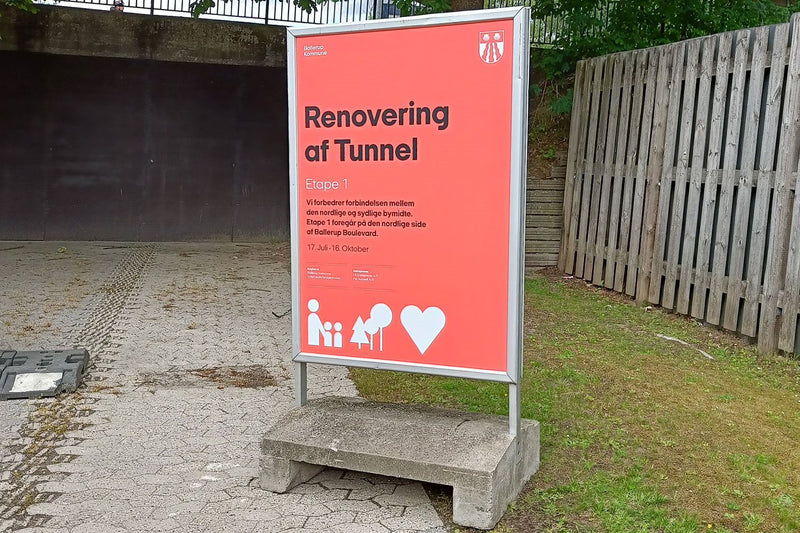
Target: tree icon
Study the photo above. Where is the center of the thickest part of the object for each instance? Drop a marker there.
(359, 333)
(381, 316)
(364, 330)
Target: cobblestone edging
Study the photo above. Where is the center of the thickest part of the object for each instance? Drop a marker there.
(26, 466)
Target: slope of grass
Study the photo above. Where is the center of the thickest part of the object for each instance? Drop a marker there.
(639, 432)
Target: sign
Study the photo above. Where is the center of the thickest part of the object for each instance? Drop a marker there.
(407, 141)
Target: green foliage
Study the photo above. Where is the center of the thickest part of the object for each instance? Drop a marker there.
(201, 6)
(598, 27)
(23, 5)
(413, 7)
(563, 104)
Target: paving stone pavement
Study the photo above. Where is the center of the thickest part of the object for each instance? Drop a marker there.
(190, 347)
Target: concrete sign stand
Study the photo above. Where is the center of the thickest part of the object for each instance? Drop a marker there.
(407, 141)
(470, 452)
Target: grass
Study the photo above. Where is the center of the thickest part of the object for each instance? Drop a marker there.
(639, 433)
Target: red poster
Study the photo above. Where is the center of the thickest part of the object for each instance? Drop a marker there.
(402, 194)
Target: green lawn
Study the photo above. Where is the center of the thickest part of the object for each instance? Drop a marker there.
(639, 433)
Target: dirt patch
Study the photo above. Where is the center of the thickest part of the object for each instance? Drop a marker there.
(244, 377)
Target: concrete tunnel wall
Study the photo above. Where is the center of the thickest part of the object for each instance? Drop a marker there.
(115, 126)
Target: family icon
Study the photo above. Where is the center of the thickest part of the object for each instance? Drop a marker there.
(317, 330)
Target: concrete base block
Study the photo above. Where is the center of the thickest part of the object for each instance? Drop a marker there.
(470, 452)
(279, 474)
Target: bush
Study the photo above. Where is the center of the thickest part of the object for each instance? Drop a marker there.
(598, 27)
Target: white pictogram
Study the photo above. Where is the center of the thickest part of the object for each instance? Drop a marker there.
(379, 318)
(319, 331)
(422, 326)
(490, 45)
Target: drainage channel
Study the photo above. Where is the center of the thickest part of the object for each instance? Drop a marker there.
(51, 419)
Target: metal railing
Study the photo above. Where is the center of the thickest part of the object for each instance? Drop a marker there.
(548, 29)
(544, 31)
(280, 12)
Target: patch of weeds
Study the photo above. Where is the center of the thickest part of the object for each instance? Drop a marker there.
(28, 499)
(577, 442)
(629, 504)
(752, 521)
(786, 509)
(783, 501)
(32, 449)
(748, 466)
(105, 388)
(566, 355)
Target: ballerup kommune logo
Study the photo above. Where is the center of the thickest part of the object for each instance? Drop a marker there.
(310, 50)
(490, 45)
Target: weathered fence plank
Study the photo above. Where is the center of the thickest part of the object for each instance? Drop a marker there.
(747, 149)
(588, 162)
(758, 234)
(660, 267)
(634, 97)
(713, 155)
(650, 166)
(781, 209)
(580, 101)
(689, 243)
(678, 216)
(791, 306)
(721, 245)
(598, 163)
(618, 175)
(602, 251)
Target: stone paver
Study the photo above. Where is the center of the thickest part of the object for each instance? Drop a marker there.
(190, 348)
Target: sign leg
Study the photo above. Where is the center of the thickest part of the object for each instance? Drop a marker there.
(513, 409)
(300, 384)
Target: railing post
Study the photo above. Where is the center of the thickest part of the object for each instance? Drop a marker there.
(266, 12)
(375, 9)
(152, 7)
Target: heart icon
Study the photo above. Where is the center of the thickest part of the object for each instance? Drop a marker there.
(422, 326)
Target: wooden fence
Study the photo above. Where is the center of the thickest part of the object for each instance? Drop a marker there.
(681, 179)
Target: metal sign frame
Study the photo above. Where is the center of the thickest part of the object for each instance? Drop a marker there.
(521, 23)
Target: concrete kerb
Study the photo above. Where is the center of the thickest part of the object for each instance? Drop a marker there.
(471, 452)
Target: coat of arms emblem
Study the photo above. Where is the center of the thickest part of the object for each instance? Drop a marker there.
(490, 46)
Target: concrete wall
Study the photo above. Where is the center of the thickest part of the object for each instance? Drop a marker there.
(56, 30)
(139, 146)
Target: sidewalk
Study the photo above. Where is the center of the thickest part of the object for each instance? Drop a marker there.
(190, 347)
